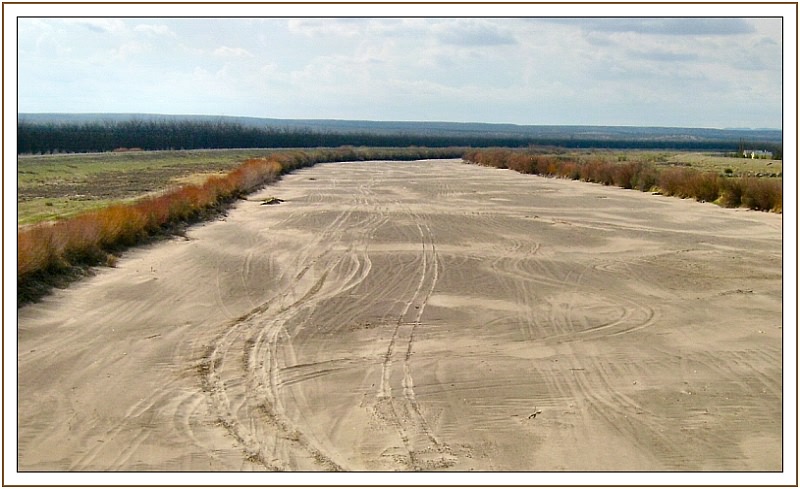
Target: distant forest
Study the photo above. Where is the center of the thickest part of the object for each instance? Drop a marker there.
(70, 136)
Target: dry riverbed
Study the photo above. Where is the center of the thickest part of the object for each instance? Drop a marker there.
(419, 316)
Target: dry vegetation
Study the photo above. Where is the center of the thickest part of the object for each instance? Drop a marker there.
(55, 187)
(753, 192)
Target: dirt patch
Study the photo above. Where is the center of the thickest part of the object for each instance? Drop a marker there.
(118, 185)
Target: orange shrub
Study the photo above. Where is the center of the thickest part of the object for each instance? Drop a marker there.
(35, 250)
(597, 171)
(672, 181)
(570, 170)
(520, 162)
(497, 158)
(548, 165)
(686, 183)
(622, 174)
(156, 212)
(704, 186)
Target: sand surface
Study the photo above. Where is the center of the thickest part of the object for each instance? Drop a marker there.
(419, 316)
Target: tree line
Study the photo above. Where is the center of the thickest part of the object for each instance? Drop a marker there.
(102, 136)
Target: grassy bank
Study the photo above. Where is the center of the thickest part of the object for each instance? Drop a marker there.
(54, 253)
(54, 187)
(756, 193)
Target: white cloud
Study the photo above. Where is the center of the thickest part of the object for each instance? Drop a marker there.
(473, 32)
(99, 25)
(228, 52)
(128, 50)
(326, 27)
(155, 30)
(683, 26)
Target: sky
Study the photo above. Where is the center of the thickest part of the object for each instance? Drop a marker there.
(685, 72)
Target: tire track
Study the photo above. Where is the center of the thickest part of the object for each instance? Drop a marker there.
(259, 338)
(603, 401)
(267, 338)
(423, 448)
(270, 430)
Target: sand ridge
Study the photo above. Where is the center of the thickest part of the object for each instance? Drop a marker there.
(424, 315)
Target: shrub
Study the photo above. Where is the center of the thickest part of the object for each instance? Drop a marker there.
(570, 170)
(622, 174)
(672, 181)
(520, 162)
(762, 194)
(731, 192)
(497, 158)
(36, 250)
(754, 193)
(645, 177)
(547, 165)
(597, 171)
(703, 186)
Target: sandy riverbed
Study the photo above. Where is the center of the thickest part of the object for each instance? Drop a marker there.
(419, 316)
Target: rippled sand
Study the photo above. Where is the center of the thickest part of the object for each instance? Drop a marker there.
(419, 316)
